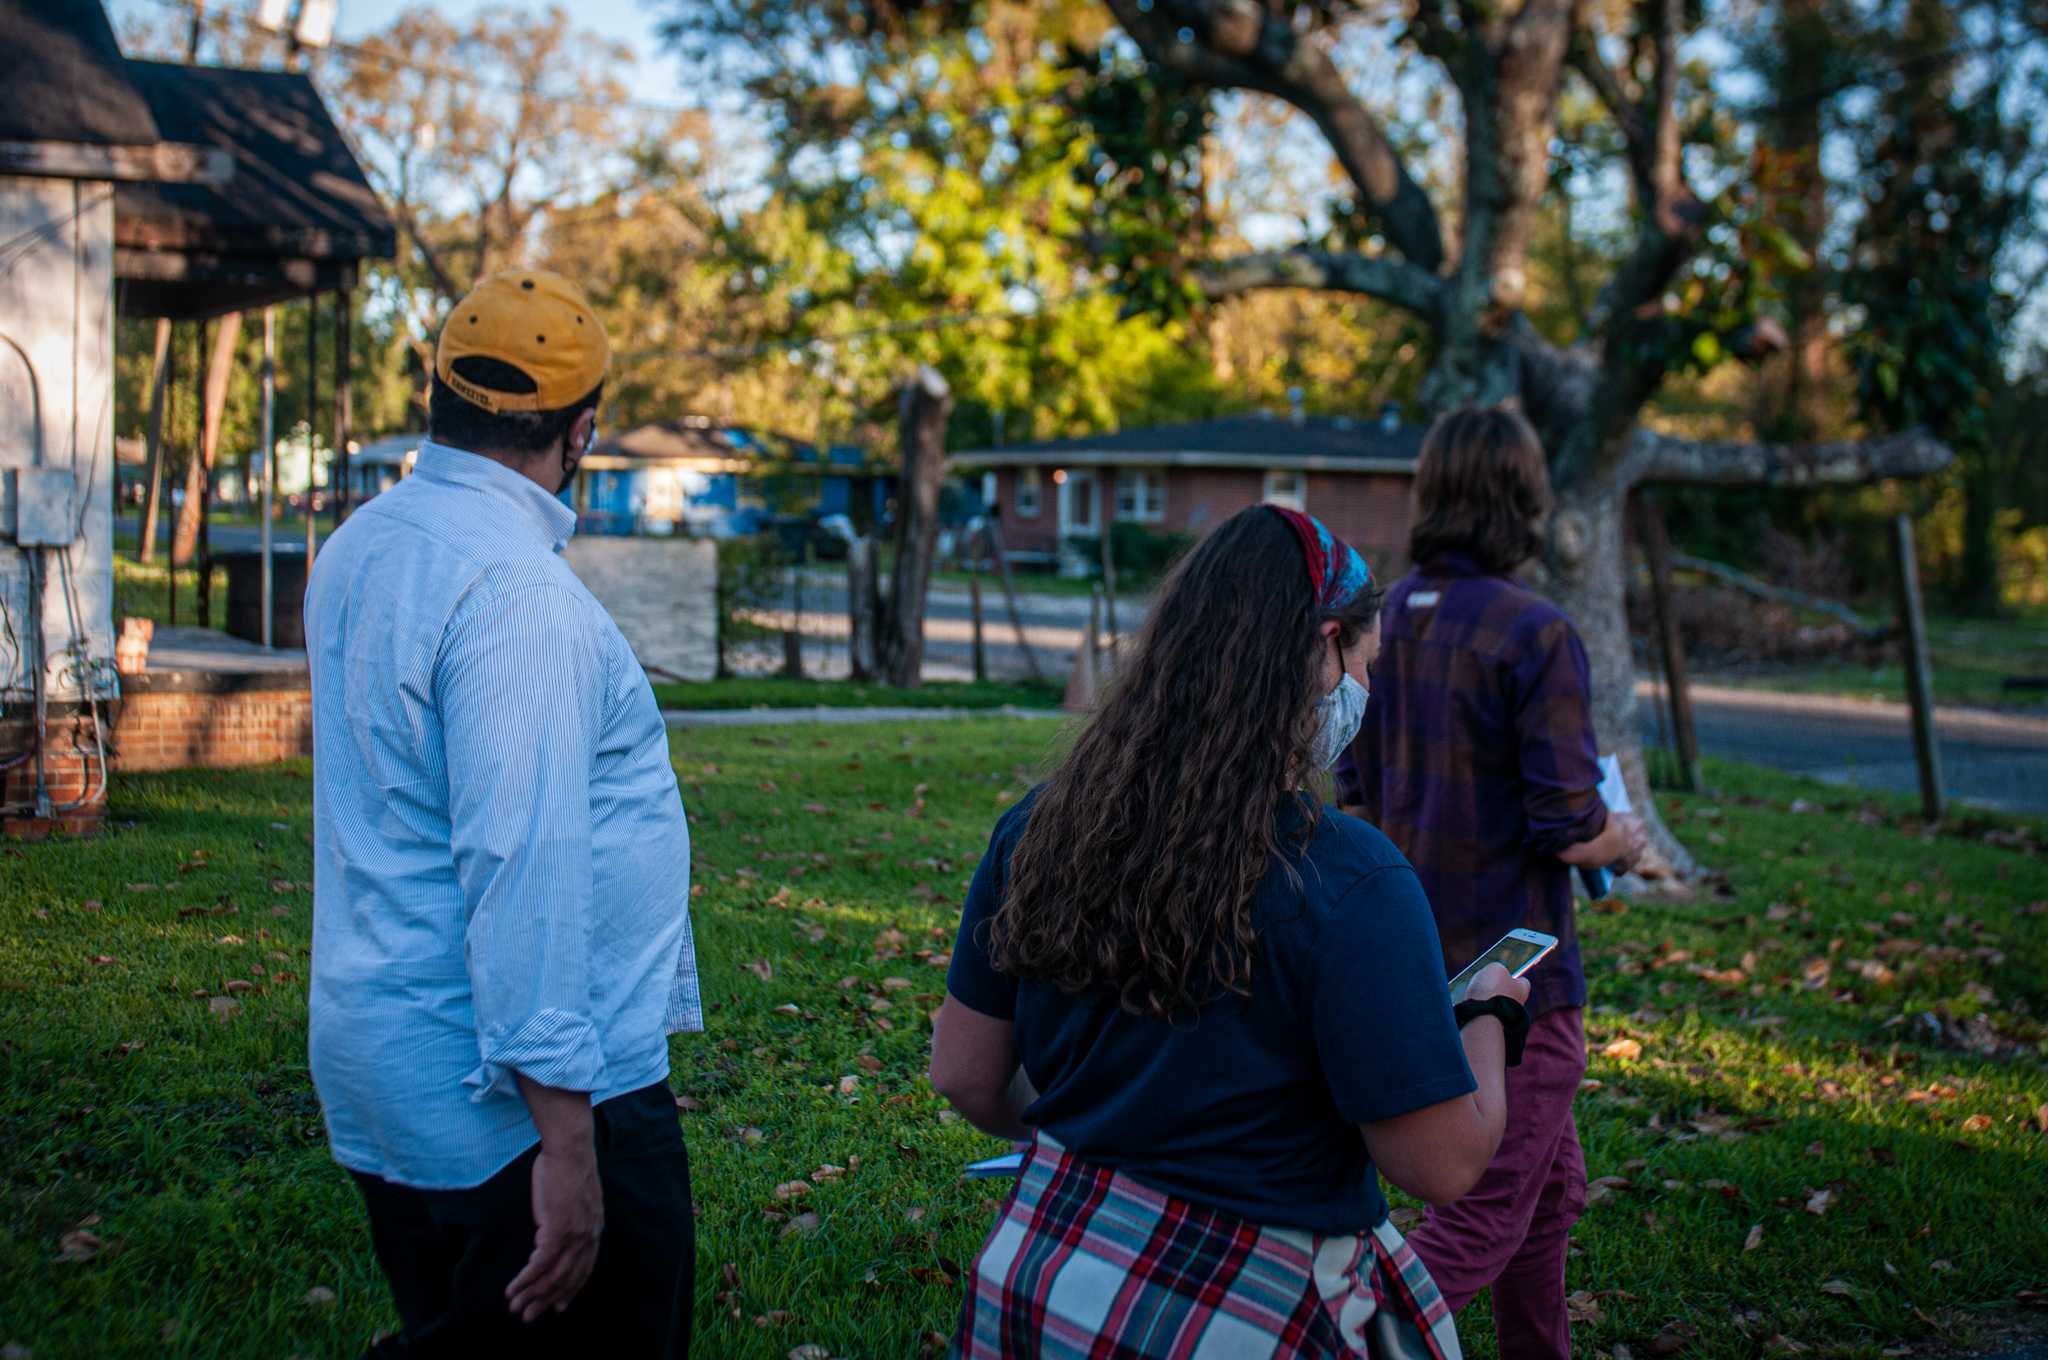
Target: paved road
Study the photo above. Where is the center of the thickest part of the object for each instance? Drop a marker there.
(1988, 760)
(224, 538)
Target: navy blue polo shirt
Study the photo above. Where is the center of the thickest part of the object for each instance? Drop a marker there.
(1252, 1105)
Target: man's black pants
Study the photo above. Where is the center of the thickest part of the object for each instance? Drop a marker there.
(450, 1253)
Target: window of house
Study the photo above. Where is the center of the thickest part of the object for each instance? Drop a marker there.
(1141, 496)
(1287, 488)
(1027, 493)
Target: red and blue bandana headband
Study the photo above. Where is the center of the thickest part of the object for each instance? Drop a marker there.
(1336, 573)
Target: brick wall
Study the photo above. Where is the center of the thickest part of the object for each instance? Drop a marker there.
(210, 728)
(174, 720)
(70, 771)
(1369, 510)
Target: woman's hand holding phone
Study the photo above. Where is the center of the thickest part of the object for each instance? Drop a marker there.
(1496, 980)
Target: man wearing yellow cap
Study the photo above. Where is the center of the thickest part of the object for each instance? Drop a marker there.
(501, 926)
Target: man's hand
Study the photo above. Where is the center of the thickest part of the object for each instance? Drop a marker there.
(1635, 840)
(568, 1209)
(568, 1202)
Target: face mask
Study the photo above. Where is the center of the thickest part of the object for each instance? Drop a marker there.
(1338, 716)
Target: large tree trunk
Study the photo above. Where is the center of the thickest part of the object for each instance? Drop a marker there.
(1586, 570)
(152, 496)
(199, 472)
(899, 643)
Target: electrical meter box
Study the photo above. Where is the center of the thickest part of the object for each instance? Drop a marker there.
(44, 516)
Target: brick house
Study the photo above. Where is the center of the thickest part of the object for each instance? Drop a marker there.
(1352, 474)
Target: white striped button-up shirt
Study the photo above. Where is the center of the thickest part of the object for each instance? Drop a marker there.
(501, 879)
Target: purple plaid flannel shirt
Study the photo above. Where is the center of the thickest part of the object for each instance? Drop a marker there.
(1477, 760)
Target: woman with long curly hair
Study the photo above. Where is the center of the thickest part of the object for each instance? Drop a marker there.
(1216, 1007)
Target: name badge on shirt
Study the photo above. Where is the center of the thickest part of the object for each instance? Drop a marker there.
(1424, 599)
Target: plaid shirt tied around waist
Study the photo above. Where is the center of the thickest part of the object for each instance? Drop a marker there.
(1087, 1262)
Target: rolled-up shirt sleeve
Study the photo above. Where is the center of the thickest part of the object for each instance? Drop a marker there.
(1560, 764)
(520, 688)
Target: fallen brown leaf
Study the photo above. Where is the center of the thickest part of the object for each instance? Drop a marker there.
(1628, 1050)
(1817, 1203)
(1840, 1288)
(77, 1245)
(1755, 1238)
(223, 1006)
(320, 1296)
(1977, 1123)
(803, 1225)
(760, 968)
(868, 1062)
(689, 1104)
(792, 1190)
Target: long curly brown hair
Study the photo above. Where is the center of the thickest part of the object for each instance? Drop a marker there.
(1137, 868)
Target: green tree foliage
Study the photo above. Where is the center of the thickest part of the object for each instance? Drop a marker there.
(1955, 164)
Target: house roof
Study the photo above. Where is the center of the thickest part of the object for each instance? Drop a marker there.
(697, 442)
(1314, 444)
(298, 217)
(67, 80)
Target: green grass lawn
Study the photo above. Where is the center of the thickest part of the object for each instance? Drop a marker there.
(775, 691)
(1970, 659)
(143, 592)
(168, 1190)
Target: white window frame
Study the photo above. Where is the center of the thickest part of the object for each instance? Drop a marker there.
(1141, 496)
(1030, 494)
(1294, 499)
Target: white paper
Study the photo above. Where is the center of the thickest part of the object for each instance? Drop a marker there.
(1613, 791)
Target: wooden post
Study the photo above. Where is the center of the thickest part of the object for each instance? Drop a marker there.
(1108, 512)
(312, 411)
(269, 378)
(159, 379)
(1657, 547)
(1009, 584)
(974, 603)
(344, 421)
(921, 434)
(1919, 674)
(793, 637)
(860, 608)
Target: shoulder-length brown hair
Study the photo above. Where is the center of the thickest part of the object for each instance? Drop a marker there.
(1482, 488)
(1137, 869)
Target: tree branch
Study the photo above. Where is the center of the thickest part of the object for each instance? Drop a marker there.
(1239, 45)
(1606, 85)
(1390, 280)
(1693, 462)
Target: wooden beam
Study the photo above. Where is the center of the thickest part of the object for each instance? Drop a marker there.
(158, 163)
(152, 498)
(1919, 674)
(1657, 547)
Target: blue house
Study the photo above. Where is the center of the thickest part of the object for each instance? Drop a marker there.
(695, 477)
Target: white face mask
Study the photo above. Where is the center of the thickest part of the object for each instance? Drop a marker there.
(1338, 716)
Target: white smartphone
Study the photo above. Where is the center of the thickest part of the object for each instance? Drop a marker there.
(1518, 951)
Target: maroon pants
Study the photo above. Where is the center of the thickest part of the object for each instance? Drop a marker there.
(1512, 1229)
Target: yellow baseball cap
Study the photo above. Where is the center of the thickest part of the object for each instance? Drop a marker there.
(539, 323)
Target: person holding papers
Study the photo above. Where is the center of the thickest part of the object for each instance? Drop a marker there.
(1477, 760)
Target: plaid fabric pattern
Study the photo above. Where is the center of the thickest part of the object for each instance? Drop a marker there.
(1085, 1263)
(1477, 760)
